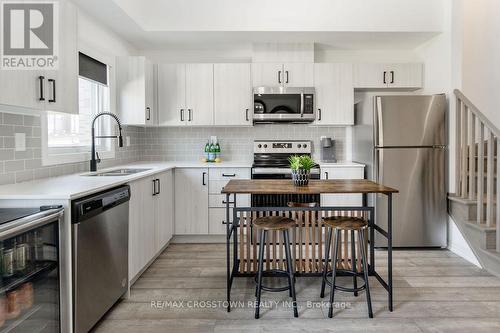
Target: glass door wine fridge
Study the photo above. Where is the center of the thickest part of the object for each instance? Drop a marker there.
(30, 270)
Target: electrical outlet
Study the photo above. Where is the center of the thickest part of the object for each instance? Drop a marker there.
(127, 141)
(20, 141)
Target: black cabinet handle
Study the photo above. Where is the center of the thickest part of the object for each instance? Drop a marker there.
(392, 76)
(224, 202)
(228, 175)
(148, 113)
(319, 114)
(224, 222)
(385, 80)
(286, 76)
(326, 174)
(154, 187)
(41, 78)
(159, 186)
(203, 179)
(189, 115)
(182, 114)
(246, 115)
(53, 100)
(279, 76)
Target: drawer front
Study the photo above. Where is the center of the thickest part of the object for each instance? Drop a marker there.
(342, 173)
(216, 219)
(229, 173)
(218, 200)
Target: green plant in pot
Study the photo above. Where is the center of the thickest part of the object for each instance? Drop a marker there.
(301, 169)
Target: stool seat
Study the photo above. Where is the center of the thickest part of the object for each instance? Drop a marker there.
(274, 223)
(346, 222)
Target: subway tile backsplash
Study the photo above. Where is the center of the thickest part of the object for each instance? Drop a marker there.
(148, 144)
(186, 144)
(20, 166)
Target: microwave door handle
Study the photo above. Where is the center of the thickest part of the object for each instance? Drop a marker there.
(301, 105)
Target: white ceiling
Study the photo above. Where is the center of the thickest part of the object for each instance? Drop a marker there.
(194, 24)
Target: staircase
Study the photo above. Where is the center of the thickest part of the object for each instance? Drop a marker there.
(475, 207)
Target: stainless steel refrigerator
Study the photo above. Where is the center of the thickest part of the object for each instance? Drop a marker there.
(407, 151)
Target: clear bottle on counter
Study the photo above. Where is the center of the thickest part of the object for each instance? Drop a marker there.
(8, 260)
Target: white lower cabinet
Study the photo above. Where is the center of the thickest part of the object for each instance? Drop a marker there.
(219, 177)
(342, 172)
(191, 201)
(150, 219)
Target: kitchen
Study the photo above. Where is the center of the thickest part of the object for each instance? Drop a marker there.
(141, 176)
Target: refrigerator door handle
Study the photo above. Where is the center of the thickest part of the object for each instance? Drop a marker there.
(379, 163)
(379, 129)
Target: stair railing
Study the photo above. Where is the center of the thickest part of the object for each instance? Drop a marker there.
(474, 133)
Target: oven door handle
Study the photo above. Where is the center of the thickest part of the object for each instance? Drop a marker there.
(301, 105)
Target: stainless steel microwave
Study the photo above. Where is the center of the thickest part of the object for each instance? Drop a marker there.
(283, 104)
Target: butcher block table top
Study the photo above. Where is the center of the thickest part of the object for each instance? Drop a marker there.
(285, 186)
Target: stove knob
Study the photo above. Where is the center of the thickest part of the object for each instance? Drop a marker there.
(259, 145)
(299, 145)
(305, 146)
(265, 146)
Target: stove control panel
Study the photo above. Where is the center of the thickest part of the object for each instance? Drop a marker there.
(285, 147)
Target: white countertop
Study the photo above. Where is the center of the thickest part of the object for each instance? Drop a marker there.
(79, 185)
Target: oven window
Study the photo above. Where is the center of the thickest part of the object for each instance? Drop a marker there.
(278, 103)
(29, 288)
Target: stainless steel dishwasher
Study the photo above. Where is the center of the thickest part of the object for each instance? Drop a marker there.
(100, 254)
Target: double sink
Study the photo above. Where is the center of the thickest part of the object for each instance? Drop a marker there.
(117, 172)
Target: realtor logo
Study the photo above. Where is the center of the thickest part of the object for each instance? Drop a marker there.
(29, 35)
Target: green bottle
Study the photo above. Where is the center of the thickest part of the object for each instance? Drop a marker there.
(217, 150)
(207, 151)
(211, 153)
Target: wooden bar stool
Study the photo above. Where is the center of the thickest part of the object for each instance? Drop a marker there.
(336, 224)
(283, 224)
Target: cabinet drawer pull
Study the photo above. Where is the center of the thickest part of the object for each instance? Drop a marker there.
(326, 174)
(385, 80)
(159, 186)
(286, 72)
(148, 113)
(228, 175)
(203, 179)
(319, 114)
(53, 82)
(190, 117)
(224, 202)
(182, 114)
(246, 115)
(279, 76)
(41, 78)
(224, 222)
(154, 187)
(392, 76)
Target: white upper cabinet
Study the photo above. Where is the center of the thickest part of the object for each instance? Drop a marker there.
(286, 75)
(185, 94)
(400, 76)
(200, 94)
(53, 90)
(334, 94)
(135, 91)
(298, 74)
(267, 74)
(233, 102)
(171, 94)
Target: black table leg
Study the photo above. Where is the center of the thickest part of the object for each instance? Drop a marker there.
(389, 248)
(228, 253)
(236, 224)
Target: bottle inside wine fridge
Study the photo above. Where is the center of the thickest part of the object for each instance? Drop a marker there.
(29, 270)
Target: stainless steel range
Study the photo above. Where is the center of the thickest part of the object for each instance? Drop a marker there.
(270, 161)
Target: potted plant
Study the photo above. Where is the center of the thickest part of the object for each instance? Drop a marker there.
(301, 169)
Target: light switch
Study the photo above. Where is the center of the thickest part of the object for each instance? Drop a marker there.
(20, 141)
(127, 141)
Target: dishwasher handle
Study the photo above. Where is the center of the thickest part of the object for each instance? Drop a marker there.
(90, 206)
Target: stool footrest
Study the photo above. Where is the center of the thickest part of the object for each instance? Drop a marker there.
(347, 272)
(275, 273)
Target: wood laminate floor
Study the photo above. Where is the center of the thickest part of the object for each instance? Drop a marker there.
(435, 291)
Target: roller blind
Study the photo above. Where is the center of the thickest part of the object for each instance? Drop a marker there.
(92, 69)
